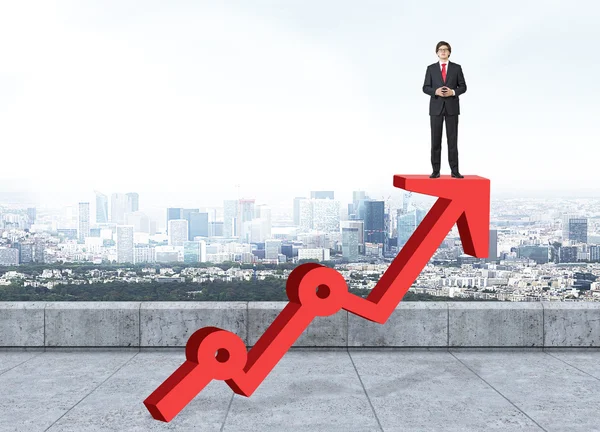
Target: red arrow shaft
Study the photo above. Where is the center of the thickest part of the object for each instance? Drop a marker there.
(377, 307)
(408, 264)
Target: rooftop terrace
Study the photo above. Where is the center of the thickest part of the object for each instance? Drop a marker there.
(456, 366)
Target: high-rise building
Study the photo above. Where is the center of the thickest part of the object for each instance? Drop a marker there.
(272, 249)
(139, 220)
(39, 251)
(31, 214)
(230, 217)
(215, 229)
(567, 254)
(322, 195)
(174, 213)
(358, 197)
(9, 256)
(375, 222)
(118, 208)
(262, 212)
(493, 246)
(326, 215)
(359, 225)
(306, 214)
(194, 251)
(178, 232)
(350, 243)
(125, 245)
(578, 230)
(101, 208)
(25, 252)
(408, 223)
(84, 221)
(197, 225)
(540, 254)
(185, 213)
(594, 253)
(246, 214)
(144, 254)
(297, 210)
(133, 202)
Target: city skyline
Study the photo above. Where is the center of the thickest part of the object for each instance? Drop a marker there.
(181, 98)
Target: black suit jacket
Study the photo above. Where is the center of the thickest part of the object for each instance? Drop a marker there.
(455, 80)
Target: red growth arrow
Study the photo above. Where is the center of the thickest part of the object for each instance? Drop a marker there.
(316, 290)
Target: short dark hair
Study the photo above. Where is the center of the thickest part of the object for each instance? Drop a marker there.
(440, 43)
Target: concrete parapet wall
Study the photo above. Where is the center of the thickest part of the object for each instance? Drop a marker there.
(412, 324)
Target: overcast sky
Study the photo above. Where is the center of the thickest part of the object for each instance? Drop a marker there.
(188, 99)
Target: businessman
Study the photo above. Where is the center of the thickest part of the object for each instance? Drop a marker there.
(444, 82)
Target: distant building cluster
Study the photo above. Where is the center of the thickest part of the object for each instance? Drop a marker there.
(316, 228)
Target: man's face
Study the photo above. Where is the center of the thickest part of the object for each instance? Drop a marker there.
(443, 52)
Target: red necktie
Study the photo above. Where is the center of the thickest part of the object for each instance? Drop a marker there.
(444, 71)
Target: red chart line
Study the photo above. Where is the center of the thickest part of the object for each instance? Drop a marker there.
(315, 290)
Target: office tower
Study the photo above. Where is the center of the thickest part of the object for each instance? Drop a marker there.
(297, 210)
(358, 195)
(578, 230)
(25, 252)
(306, 214)
(178, 232)
(185, 213)
(540, 254)
(406, 201)
(357, 198)
(326, 215)
(39, 251)
(230, 216)
(197, 225)
(31, 214)
(246, 214)
(144, 254)
(322, 194)
(133, 202)
(350, 244)
(139, 220)
(174, 213)
(101, 208)
(215, 229)
(84, 220)
(408, 223)
(194, 251)
(594, 253)
(118, 208)
(351, 214)
(359, 225)
(262, 212)
(9, 256)
(567, 254)
(360, 209)
(375, 222)
(272, 249)
(493, 247)
(125, 245)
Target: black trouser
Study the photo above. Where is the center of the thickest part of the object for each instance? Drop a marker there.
(436, 139)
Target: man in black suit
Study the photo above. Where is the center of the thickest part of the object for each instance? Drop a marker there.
(444, 82)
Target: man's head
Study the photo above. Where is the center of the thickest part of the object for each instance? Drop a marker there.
(443, 50)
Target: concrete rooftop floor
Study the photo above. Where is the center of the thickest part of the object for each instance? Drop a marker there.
(361, 390)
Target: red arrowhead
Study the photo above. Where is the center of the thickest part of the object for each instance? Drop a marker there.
(471, 194)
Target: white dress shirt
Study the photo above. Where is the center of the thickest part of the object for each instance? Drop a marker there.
(441, 62)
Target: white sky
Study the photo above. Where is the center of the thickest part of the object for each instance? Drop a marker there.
(180, 101)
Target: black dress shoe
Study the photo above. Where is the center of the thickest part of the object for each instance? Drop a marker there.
(435, 174)
(457, 175)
